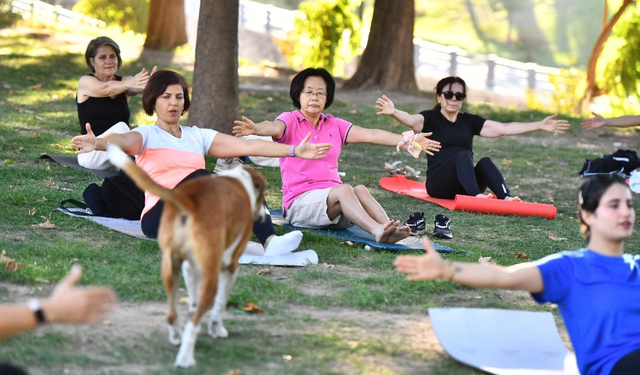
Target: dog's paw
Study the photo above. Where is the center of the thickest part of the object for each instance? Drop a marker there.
(185, 361)
(217, 330)
(175, 336)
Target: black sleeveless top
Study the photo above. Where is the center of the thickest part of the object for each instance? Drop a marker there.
(103, 113)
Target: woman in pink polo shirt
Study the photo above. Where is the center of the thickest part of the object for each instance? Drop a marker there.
(172, 154)
(313, 194)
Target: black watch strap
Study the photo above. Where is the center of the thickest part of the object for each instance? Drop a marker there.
(36, 308)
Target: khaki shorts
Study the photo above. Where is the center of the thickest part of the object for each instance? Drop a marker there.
(309, 210)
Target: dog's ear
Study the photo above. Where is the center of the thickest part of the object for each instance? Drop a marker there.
(259, 182)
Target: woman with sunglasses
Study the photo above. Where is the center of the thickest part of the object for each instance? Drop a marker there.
(452, 171)
(597, 289)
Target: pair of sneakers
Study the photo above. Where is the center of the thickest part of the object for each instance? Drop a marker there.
(417, 224)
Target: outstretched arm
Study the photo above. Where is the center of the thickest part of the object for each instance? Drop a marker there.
(598, 121)
(385, 106)
(493, 129)
(359, 134)
(246, 127)
(226, 146)
(90, 86)
(524, 276)
(130, 143)
(67, 304)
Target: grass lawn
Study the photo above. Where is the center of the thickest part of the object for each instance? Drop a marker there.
(351, 314)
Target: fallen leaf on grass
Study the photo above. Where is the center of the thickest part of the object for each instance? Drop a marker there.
(521, 255)
(348, 243)
(32, 211)
(40, 118)
(184, 301)
(35, 135)
(53, 185)
(329, 265)
(552, 236)
(233, 372)
(36, 87)
(46, 225)
(11, 263)
(106, 323)
(506, 161)
(264, 271)
(486, 260)
(251, 308)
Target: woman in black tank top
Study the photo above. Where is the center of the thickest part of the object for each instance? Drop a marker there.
(103, 97)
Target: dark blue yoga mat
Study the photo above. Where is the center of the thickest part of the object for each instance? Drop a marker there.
(356, 234)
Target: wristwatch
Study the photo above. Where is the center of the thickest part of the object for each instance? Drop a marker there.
(36, 309)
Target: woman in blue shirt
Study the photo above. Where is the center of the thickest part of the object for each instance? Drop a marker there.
(597, 289)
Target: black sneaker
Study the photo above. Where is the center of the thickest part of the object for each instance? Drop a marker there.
(442, 227)
(417, 223)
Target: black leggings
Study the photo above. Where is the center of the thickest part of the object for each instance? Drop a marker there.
(458, 176)
(629, 364)
(151, 220)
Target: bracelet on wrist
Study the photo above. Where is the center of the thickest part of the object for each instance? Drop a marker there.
(450, 272)
(292, 153)
(36, 308)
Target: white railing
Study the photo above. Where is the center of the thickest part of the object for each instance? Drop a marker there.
(482, 72)
(34, 9)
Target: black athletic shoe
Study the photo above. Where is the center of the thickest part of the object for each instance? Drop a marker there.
(442, 227)
(417, 223)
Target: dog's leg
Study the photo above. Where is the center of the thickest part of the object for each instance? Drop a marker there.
(191, 281)
(170, 277)
(216, 326)
(208, 290)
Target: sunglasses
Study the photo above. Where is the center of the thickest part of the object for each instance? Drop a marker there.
(450, 94)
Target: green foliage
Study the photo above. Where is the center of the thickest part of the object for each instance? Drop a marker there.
(622, 74)
(328, 36)
(569, 87)
(128, 14)
(7, 17)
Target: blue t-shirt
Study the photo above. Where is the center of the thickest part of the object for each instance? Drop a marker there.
(599, 299)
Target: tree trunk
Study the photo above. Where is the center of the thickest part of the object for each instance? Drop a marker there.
(215, 79)
(530, 37)
(166, 28)
(474, 22)
(592, 87)
(387, 62)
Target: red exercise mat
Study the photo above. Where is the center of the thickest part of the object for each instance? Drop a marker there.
(399, 184)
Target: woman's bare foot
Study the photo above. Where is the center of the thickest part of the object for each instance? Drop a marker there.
(393, 231)
(483, 195)
(513, 199)
(387, 229)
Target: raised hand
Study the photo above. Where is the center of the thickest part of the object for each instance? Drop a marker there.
(71, 304)
(311, 151)
(593, 123)
(385, 106)
(138, 82)
(429, 146)
(85, 143)
(425, 267)
(244, 127)
(551, 125)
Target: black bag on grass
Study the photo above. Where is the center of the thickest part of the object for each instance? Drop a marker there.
(621, 161)
(118, 197)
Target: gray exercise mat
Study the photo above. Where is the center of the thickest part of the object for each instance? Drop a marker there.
(503, 342)
(72, 162)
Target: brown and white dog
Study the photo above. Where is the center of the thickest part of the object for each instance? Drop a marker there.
(205, 226)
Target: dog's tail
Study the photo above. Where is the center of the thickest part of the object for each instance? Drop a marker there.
(144, 182)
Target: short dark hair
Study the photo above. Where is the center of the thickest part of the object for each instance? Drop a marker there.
(446, 82)
(297, 85)
(92, 50)
(590, 194)
(158, 83)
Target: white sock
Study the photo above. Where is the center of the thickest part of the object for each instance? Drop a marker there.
(284, 244)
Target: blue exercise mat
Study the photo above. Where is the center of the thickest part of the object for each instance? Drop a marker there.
(356, 234)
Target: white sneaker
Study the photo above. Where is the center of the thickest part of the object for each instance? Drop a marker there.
(225, 164)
